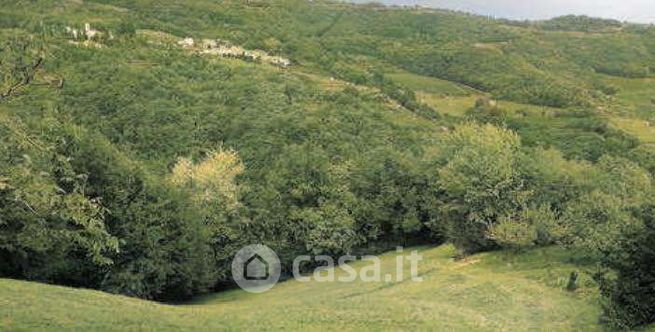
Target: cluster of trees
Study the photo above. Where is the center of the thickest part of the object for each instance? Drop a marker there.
(498, 193)
(132, 191)
(76, 211)
(495, 193)
(516, 196)
(580, 23)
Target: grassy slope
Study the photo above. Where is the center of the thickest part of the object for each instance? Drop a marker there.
(630, 110)
(493, 291)
(635, 107)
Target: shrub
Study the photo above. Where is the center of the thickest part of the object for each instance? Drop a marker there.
(487, 111)
(527, 228)
(644, 155)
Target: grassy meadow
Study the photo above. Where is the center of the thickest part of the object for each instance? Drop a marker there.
(496, 291)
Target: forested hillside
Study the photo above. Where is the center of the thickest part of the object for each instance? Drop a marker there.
(144, 142)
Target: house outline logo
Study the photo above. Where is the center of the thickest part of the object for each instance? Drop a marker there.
(256, 268)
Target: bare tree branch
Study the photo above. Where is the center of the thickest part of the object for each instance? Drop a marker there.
(28, 75)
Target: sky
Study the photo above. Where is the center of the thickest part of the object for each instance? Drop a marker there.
(642, 11)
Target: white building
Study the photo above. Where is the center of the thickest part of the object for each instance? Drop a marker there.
(186, 42)
(73, 32)
(280, 61)
(90, 33)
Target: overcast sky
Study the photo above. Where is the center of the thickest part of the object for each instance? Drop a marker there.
(626, 10)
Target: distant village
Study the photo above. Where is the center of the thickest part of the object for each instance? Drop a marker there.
(226, 49)
(90, 37)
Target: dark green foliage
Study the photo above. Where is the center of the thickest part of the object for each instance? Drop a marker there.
(126, 29)
(397, 198)
(165, 250)
(49, 228)
(579, 135)
(644, 155)
(630, 290)
(20, 59)
(481, 183)
(403, 96)
(572, 285)
(103, 223)
(580, 23)
(487, 111)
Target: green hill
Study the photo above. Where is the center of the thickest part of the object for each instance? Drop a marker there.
(142, 143)
(487, 292)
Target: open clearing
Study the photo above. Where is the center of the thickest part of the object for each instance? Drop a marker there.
(492, 291)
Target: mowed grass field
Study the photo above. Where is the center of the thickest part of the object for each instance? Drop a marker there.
(488, 292)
